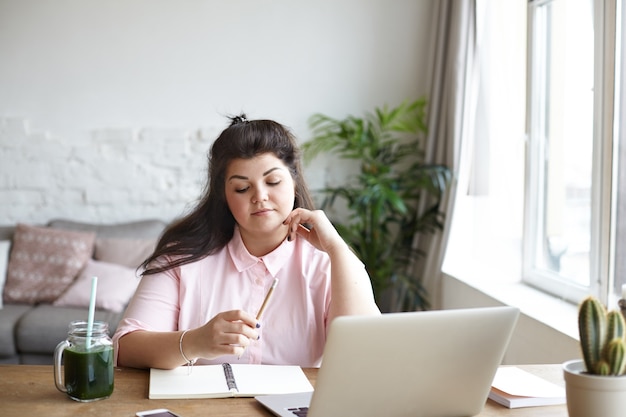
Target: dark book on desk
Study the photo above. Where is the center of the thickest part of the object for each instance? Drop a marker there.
(515, 388)
(226, 380)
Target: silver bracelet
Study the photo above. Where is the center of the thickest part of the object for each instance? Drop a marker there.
(190, 362)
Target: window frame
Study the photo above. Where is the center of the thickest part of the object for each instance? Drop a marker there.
(602, 236)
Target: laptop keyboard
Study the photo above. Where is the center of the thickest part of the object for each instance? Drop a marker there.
(299, 411)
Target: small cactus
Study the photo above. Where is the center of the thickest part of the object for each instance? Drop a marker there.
(602, 338)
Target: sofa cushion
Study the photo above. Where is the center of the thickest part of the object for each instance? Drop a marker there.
(44, 326)
(127, 244)
(6, 232)
(9, 317)
(127, 252)
(5, 247)
(116, 285)
(44, 262)
(137, 230)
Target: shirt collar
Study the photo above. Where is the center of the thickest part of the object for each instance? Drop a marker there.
(273, 261)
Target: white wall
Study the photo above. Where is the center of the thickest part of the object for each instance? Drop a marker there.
(107, 109)
(534, 341)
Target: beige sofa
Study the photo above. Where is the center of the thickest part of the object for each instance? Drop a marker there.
(33, 319)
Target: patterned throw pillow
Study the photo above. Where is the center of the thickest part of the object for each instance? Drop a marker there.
(44, 262)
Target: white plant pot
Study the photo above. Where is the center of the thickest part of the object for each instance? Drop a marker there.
(593, 395)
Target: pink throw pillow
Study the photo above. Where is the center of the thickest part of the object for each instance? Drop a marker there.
(116, 285)
(44, 262)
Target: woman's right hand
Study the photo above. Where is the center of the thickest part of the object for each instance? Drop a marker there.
(228, 333)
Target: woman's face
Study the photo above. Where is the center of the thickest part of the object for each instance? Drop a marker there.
(260, 194)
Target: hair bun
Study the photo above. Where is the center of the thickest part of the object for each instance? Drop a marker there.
(235, 120)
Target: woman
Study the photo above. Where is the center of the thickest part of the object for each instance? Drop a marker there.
(209, 274)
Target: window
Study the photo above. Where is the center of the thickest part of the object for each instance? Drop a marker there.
(540, 201)
(568, 238)
(557, 240)
(619, 155)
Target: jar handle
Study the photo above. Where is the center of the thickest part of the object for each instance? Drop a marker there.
(58, 355)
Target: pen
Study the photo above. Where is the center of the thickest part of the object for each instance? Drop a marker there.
(267, 299)
(264, 305)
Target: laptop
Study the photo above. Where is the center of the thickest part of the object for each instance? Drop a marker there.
(430, 363)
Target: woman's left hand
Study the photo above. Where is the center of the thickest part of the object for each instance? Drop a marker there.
(322, 234)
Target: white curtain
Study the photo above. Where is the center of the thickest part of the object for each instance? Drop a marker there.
(452, 102)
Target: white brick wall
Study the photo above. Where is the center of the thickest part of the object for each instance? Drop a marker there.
(109, 175)
(66, 69)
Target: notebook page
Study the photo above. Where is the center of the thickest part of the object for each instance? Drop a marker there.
(270, 379)
(203, 381)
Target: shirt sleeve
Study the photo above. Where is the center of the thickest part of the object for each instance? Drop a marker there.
(155, 306)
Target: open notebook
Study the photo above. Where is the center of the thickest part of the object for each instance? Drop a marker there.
(226, 380)
(433, 363)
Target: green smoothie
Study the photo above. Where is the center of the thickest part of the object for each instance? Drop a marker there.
(88, 375)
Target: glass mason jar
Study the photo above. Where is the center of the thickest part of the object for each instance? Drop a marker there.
(87, 362)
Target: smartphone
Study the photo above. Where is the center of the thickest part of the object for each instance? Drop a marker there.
(161, 412)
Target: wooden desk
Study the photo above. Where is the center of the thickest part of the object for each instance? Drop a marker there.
(28, 390)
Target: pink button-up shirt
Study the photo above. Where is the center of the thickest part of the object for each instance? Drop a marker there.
(293, 326)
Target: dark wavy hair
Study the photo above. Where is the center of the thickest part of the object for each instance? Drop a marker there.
(210, 225)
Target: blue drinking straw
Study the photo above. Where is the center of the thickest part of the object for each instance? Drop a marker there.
(92, 309)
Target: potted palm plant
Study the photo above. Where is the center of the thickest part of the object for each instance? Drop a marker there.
(393, 196)
(596, 385)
